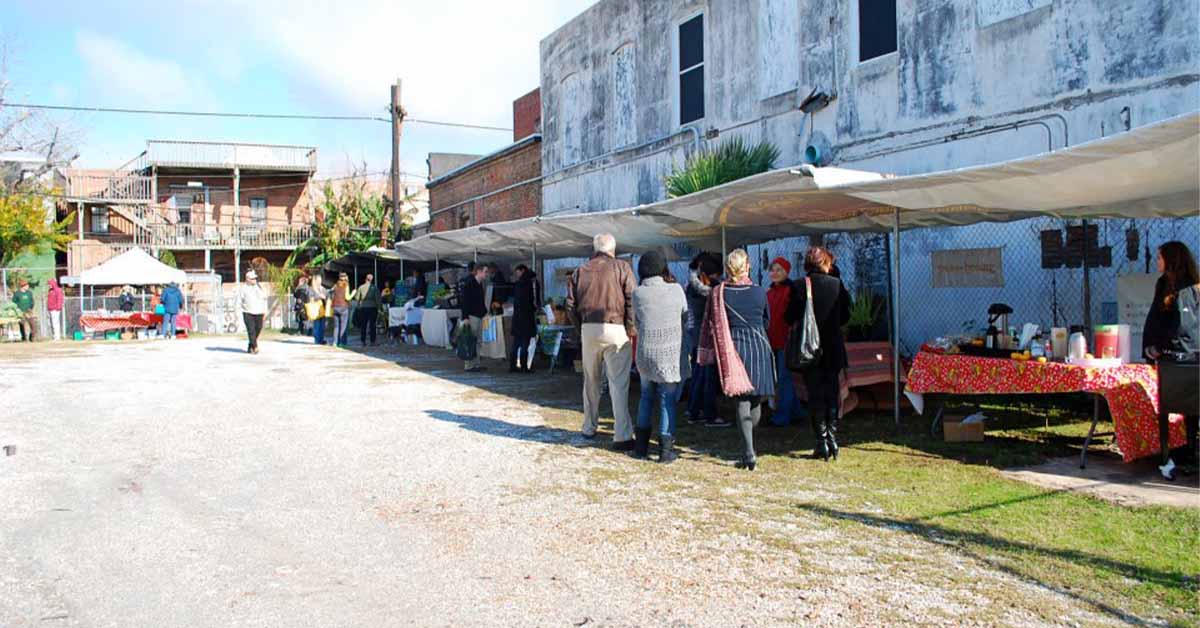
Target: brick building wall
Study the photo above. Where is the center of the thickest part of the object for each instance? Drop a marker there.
(450, 201)
(527, 115)
(286, 196)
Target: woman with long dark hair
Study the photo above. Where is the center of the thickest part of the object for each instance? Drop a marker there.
(1171, 339)
(527, 299)
(831, 308)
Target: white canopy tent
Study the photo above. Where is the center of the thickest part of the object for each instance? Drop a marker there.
(133, 267)
(1151, 171)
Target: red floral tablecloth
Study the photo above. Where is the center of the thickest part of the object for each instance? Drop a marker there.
(1130, 390)
(183, 320)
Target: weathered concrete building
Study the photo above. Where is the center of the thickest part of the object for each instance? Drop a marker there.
(913, 85)
(504, 185)
(631, 87)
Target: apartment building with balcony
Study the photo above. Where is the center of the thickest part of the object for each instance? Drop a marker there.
(214, 205)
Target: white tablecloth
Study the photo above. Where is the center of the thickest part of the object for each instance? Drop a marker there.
(435, 326)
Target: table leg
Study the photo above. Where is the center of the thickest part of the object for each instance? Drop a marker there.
(1091, 431)
(937, 418)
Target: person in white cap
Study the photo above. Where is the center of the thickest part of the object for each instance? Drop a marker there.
(252, 303)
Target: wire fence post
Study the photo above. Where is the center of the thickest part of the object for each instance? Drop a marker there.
(896, 318)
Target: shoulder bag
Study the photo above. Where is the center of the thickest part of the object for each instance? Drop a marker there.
(803, 348)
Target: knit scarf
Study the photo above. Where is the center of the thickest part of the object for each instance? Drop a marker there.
(716, 344)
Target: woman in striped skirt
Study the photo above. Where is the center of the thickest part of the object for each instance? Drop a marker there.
(740, 307)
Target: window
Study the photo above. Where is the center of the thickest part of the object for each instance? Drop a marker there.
(691, 70)
(99, 220)
(625, 122)
(572, 110)
(258, 212)
(876, 28)
(778, 40)
(182, 201)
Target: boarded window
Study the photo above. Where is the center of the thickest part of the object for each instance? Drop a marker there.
(570, 116)
(691, 70)
(625, 120)
(876, 28)
(778, 46)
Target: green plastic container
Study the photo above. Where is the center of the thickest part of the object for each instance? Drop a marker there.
(78, 335)
(112, 335)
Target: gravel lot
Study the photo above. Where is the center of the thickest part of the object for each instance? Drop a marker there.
(190, 484)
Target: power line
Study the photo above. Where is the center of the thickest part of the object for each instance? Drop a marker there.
(243, 115)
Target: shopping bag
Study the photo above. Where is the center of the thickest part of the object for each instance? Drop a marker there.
(465, 343)
(489, 331)
(312, 310)
(804, 341)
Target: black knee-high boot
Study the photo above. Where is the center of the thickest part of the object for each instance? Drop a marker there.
(817, 414)
(831, 427)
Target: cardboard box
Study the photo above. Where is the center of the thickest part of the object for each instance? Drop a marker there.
(955, 431)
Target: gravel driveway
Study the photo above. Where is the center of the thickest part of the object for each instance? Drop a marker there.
(190, 484)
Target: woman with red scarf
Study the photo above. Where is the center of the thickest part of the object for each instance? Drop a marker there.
(779, 295)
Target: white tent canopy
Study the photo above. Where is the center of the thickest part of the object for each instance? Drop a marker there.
(133, 267)
(1147, 172)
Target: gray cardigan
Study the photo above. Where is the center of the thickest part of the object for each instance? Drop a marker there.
(659, 310)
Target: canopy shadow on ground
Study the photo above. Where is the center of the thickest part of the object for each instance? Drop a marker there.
(977, 544)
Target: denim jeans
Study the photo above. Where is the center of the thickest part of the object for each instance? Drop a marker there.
(702, 404)
(168, 325)
(341, 322)
(787, 404)
(664, 395)
(318, 329)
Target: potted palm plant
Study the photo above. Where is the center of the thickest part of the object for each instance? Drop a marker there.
(864, 315)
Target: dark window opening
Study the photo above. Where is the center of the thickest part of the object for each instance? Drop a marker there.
(876, 28)
(691, 70)
(99, 220)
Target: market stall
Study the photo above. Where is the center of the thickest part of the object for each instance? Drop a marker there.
(1147, 172)
(1130, 390)
(134, 267)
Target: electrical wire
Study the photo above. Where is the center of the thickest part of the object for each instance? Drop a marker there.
(244, 115)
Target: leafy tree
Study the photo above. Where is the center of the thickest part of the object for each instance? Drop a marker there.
(730, 161)
(26, 225)
(167, 257)
(351, 218)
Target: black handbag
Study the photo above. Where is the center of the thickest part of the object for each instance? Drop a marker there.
(803, 349)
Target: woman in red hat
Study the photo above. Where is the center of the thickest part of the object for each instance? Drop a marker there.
(787, 404)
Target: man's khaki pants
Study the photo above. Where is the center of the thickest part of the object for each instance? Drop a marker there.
(606, 351)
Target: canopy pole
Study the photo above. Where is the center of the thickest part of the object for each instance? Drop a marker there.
(896, 319)
(476, 256)
(437, 267)
(724, 251)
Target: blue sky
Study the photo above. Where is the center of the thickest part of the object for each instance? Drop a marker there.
(281, 57)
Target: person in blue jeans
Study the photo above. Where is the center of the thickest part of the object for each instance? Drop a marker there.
(787, 404)
(172, 301)
(659, 308)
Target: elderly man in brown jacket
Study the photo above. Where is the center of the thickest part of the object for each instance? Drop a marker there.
(600, 297)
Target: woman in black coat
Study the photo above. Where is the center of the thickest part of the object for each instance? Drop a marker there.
(831, 308)
(527, 298)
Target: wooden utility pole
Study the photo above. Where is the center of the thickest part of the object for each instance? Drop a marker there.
(398, 114)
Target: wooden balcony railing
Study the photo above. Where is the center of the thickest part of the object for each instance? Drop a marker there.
(117, 187)
(216, 236)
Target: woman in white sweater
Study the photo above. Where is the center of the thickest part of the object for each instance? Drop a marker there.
(659, 310)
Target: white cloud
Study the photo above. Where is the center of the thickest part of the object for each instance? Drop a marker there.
(120, 73)
(460, 61)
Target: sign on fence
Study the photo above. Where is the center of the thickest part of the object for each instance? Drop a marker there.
(1135, 295)
(968, 268)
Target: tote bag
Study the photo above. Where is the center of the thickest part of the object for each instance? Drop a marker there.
(804, 340)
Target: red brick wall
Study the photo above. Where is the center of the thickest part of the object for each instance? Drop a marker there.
(520, 202)
(527, 115)
(287, 196)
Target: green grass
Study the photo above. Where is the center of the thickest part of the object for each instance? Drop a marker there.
(1120, 561)
(1127, 563)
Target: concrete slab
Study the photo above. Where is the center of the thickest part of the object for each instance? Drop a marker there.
(1135, 484)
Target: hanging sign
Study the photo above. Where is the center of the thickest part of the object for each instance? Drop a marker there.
(968, 268)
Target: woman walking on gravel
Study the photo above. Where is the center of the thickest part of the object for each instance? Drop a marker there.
(734, 337)
(831, 308)
(659, 309)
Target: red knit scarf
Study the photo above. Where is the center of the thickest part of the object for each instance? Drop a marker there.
(716, 344)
